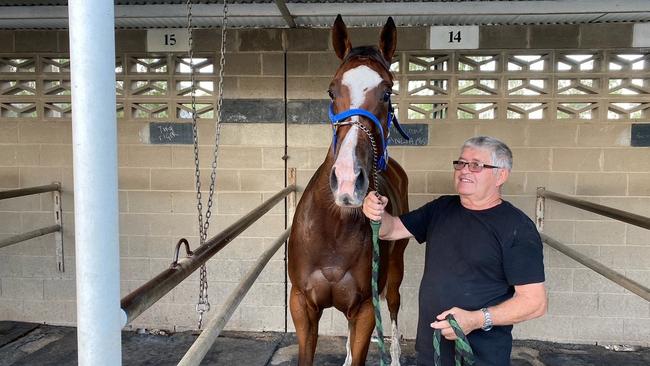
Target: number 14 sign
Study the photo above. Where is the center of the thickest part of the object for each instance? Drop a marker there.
(453, 37)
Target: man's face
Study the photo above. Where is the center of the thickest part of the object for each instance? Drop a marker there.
(480, 185)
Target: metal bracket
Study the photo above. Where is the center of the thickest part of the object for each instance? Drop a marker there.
(539, 210)
(58, 220)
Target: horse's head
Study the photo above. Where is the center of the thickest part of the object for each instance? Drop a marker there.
(360, 112)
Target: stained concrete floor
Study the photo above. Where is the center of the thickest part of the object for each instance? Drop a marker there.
(36, 344)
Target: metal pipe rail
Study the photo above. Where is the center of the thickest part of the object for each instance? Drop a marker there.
(610, 212)
(29, 235)
(206, 339)
(30, 190)
(598, 267)
(146, 295)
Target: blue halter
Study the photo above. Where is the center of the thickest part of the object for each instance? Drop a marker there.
(336, 120)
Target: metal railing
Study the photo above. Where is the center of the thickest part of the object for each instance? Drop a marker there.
(624, 216)
(57, 228)
(146, 295)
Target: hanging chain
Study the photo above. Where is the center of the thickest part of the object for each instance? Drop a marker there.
(203, 304)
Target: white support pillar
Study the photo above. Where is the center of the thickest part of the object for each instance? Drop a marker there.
(94, 130)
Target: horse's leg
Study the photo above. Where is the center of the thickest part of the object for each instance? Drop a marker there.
(395, 276)
(305, 319)
(361, 326)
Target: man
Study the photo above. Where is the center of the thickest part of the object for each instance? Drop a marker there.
(483, 260)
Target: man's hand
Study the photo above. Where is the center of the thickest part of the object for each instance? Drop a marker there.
(373, 206)
(468, 321)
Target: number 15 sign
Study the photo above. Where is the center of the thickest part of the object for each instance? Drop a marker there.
(453, 37)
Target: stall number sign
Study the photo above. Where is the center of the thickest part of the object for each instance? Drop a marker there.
(443, 38)
(167, 40)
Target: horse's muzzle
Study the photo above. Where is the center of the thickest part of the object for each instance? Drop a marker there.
(349, 190)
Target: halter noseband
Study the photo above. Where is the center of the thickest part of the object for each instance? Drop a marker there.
(340, 119)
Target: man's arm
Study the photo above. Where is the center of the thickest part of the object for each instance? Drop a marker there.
(528, 302)
(392, 227)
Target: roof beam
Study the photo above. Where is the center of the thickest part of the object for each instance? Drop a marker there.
(282, 6)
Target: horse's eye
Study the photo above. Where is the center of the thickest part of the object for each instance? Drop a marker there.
(386, 96)
(331, 94)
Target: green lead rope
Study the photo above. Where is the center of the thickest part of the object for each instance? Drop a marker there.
(461, 345)
(375, 225)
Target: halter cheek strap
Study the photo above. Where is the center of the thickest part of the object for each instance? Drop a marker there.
(337, 120)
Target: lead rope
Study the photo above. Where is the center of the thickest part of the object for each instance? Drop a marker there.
(203, 303)
(461, 345)
(374, 282)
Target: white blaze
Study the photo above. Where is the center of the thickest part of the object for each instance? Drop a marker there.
(358, 81)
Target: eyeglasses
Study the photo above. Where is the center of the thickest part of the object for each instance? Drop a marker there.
(473, 166)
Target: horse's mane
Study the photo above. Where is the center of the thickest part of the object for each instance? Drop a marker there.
(369, 52)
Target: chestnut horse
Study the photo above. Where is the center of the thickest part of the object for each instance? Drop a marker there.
(330, 247)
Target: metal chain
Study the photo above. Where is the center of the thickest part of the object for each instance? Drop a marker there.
(203, 303)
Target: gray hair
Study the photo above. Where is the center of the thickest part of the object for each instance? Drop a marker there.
(501, 154)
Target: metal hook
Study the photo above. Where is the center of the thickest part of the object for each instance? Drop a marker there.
(188, 252)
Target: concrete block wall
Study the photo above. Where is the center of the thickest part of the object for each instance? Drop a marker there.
(590, 159)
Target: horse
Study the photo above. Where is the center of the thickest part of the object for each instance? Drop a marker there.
(330, 245)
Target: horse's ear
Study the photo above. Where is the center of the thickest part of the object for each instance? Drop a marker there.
(388, 40)
(340, 40)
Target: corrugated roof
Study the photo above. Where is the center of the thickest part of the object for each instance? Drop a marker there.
(44, 14)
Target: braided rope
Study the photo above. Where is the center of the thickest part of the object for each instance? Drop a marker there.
(461, 345)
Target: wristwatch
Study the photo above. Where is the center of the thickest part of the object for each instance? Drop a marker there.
(487, 320)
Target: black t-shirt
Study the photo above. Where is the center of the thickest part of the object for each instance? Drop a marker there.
(474, 258)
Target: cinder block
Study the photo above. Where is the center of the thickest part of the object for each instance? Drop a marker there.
(512, 133)
(209, 40)
(308, 87)
(35, 41)
(262, 318)
(503, 37)
(451, 135)
(556, 259)
(436, 182)
(592, 328)
(48, 133)
(134, 224)
(603, 135)
(12, 309)
(559, 279)
(572, 304)
(9, 178)
(261, 87)
(272, 158)
(307, 39)
(627, 160)
(531, 159)
(515, 184)
(134, 178)
(553, 181)
(622, 305)
(309, 136)
(34, 220)
(637, 331)
(608, 35)
(60, 289)
(586, 280)
(149, 202)
(577, 160)
(554, 36)
(262, 180)
(7, 41)
(176, 225)
(273, 64)
(548, 327)
(638, 205)
(250, 135)
(561, 230)
(56, 155)
(265, 294)
(10, 222)
(552, 134)
(260, 40)
(636, 235)
(428, 158)
(39, 176)
(22, 288)
(149, 156)
(9, 132)
(172, 179)
(297, 64)
(39, 267)
(638, 184)
(237, 203)
(134, 269)
(600, 232)
(323, 63)
(243, 64)
(132, 132)
(628, 257)
(601, 184)
(418, 182)
(63, 38)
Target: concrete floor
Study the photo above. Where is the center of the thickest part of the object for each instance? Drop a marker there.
(37, 344)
